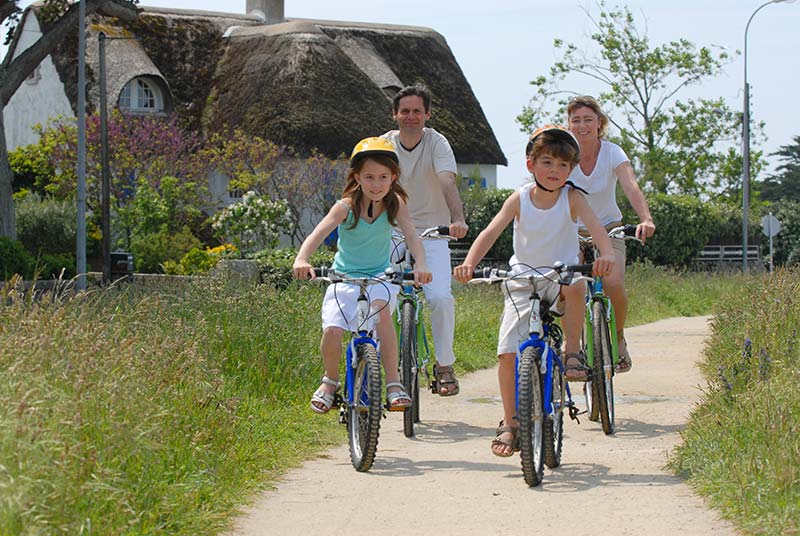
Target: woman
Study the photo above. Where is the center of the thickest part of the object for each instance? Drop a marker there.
(602, 164)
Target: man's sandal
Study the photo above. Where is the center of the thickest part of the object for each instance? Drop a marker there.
(445, 377)
(323, 398)
(575, 369)
(500, 440)
(625, 363)
(397, 400)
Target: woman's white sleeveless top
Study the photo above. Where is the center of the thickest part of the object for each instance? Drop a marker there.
(542, 237)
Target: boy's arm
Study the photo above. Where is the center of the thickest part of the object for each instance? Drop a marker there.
(421, 272)
(580, 208)
(487, 238)
(301, 269)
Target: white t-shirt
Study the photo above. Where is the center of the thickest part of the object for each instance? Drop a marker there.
(542, 237)
(418, 175)
(601, 183)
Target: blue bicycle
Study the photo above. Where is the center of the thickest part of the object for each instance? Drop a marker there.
(541, 390)
(361, 409)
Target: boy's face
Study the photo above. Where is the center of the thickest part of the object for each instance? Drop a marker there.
(551, 172)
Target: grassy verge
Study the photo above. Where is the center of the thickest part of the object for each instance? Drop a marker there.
(161, 408)
(741, 448)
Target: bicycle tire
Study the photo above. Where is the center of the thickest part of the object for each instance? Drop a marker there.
(364, 415)
(531, 417)
(554, 427)
(408, 368)
(589, 386)
(603, 367)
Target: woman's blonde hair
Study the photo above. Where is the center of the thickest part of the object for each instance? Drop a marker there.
(352, 189)
(589, 102)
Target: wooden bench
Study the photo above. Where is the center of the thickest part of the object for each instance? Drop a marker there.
(716, 254)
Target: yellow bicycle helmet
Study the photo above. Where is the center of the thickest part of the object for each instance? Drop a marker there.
(556, 130)
(373, 146)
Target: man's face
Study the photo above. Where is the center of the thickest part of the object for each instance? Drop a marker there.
(411, 114)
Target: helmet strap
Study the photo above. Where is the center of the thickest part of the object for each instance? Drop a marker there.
(539, 184)
(369, 210)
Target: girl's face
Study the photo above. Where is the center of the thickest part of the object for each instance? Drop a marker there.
(584, 123)
(375, 180)
(551, 172)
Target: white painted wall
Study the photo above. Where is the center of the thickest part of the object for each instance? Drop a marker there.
(36, 100)
(486, 171)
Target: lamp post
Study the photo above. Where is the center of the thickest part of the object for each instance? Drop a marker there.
(746, 138)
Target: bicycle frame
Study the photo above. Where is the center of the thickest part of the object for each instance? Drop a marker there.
(595, 293)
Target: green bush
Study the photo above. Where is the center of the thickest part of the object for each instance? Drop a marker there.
(786, 243)
(46, 225)
(276, 264)
(152, 250)
(199, 261)
(480, 206)
(49, 266)
(14, 259)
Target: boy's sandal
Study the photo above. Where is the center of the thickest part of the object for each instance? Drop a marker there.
(323, 398)
(445, 377)
(500, 440)
(397, 400)
(625, 363)
(575, 369)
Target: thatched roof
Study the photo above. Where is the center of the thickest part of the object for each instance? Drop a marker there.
(304, 83)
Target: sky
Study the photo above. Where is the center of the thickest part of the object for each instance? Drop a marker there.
(501, 46)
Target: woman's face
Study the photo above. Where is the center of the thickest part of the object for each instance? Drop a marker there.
(584, 123)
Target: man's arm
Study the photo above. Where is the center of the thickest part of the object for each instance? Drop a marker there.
(458, 225)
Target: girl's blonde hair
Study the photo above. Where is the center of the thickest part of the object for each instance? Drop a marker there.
(589, 102)
(352, 189)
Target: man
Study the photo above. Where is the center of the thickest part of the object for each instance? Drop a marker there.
(428, 174)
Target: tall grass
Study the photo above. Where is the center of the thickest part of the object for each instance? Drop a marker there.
(742, 445)
(158, 409)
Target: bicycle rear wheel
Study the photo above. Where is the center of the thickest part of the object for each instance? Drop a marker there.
(589, 386)
(531, 417)
(603, 368)
(408, 366)
(554, 427)
(364, 415)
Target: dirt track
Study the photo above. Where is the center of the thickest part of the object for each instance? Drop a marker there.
(446, 481)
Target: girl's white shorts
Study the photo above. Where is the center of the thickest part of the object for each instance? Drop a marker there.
(340, 305)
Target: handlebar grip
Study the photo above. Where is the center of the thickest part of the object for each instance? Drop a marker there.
(580, 268)
(322, 271)
(443, 230)
(408, 276)
(629, 230)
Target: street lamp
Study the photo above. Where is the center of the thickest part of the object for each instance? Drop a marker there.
(746, 137)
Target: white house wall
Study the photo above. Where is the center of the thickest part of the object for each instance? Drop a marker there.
(34, 103)
(485, 171)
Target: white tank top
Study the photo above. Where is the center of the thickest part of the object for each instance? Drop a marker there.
(542, 237)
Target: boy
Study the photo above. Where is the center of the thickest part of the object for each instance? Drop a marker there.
(545, 215)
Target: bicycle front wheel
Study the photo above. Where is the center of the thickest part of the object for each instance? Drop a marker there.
(408, 366)
(531, 417)
(554, 425)
(603, 368)
(364, 414)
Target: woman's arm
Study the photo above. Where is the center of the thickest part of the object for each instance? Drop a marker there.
(422, 274)
(627, 179)
(487, 238)
(301, 269)
(580, 208)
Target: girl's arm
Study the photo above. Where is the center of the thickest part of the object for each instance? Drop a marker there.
(487, 238)
(627, 180)
(301, 269)
(422, 274)
(581, 209)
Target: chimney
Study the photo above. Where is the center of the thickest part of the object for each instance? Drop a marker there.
(271, 11)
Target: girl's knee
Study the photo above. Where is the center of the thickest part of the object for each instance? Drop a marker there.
(332, 332)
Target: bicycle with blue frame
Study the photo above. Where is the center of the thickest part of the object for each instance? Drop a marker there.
(541, 392)
(599, 339)
(361, 409)
(415, 353)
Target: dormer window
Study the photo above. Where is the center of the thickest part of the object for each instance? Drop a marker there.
(141, 95)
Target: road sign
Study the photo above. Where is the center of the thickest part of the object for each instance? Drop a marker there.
(770, 225)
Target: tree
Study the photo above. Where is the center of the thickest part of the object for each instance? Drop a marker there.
(60, 19)
(785, 184)
(674, 146)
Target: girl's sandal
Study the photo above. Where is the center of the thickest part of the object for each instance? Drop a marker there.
(323, 398)
(500, 440)
(575, 369)
(397, 400)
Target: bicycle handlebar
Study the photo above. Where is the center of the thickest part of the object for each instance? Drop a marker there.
(330, 275)
(625, 232)
(565, 274)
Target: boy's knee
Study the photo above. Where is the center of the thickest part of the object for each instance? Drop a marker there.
(333, 332)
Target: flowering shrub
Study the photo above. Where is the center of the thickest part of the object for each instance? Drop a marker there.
(199, 261)
(253, 224)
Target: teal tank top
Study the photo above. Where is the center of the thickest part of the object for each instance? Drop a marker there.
(363, 250)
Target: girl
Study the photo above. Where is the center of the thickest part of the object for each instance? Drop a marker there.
(372, 202)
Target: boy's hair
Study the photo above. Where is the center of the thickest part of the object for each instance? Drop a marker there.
(353, 190)
(417, 90)
(588, 101)
(555, 141)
